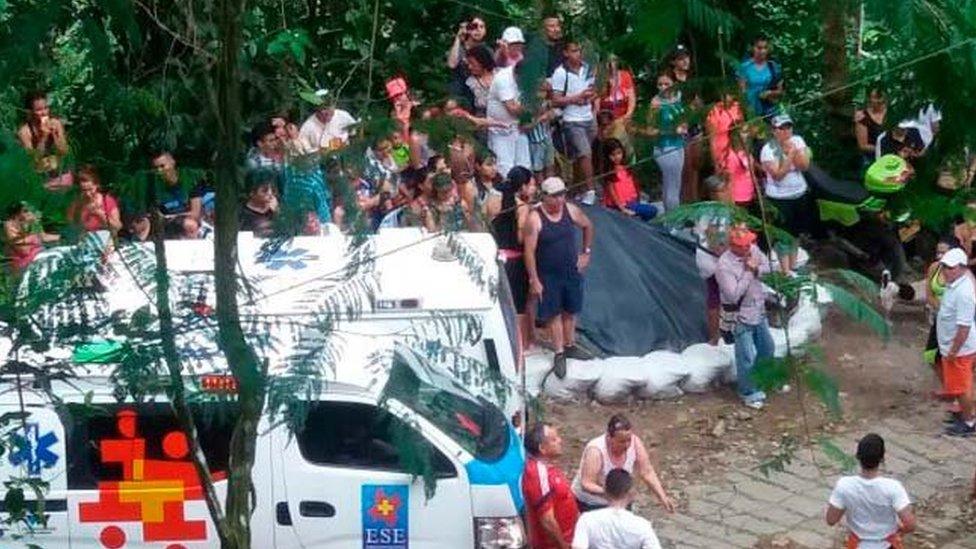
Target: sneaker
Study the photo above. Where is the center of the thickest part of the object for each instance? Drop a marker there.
(559, 365)
(577, 353)
(755, 404)
(588, 198)
(960, 429)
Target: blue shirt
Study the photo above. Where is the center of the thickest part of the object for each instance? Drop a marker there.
(758, 79)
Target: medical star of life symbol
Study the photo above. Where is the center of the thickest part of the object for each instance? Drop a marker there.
(34, 449)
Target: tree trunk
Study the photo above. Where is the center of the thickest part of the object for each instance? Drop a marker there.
(177, 392)
(241, 358)
(834, 14)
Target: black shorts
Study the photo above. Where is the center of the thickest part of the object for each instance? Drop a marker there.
(560, 294)
(518, 281)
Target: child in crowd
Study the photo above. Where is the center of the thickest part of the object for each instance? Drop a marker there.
(542, 151)
(620, 189)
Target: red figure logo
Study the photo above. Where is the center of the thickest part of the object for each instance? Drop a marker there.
(385, 508)
(152, 491)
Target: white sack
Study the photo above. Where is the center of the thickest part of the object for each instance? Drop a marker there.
(705, 364)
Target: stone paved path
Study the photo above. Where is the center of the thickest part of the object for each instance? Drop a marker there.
(744, 507)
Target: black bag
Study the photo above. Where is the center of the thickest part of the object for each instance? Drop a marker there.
(727, 320)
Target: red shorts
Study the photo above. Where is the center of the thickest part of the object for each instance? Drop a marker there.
(957, 375)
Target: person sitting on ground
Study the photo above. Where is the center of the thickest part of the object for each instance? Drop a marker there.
(267, 151)
(761, 79)
(957, 339)
(877, 509)
(328, 128)
(555, 265)
(259, 212)
(176, 193)
(618, 448)
(620, 189)
(24, 237)
(93, 209)
(615, 527)
(45, 138)
(739, 276)
(550, 509)
(507, 218)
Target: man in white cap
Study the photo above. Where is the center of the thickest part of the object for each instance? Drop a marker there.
(509, 145)
(327, 128)
(957, 339)
(555, 266)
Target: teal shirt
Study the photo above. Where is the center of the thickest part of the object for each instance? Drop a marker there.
(669, 118)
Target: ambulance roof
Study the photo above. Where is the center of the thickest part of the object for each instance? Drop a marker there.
(293, 283)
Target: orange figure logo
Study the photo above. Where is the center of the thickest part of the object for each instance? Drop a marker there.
(152, 491)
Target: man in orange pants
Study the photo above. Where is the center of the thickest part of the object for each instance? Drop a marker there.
(957, 339)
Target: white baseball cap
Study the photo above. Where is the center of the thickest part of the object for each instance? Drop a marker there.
(553, 186)
(513, 35)
(954, 258)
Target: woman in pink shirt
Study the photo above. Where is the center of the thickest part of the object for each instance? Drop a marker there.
(23, 237)
(93, 209)
(725, 115)
(621, 191)
(738, 167)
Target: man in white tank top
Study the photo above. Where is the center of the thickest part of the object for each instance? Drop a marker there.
(618, 448)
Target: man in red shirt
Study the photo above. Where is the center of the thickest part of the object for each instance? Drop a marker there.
(550, 505)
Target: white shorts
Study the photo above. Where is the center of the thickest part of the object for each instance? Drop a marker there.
(510, 150)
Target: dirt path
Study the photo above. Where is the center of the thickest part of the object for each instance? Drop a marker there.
(708, 449)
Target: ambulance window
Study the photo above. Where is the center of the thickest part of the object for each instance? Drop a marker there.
(509, 313)
(362, 436)
(150, 424)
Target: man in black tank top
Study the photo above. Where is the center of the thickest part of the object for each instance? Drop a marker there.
(555, 265)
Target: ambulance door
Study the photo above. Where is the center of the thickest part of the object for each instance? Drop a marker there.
(345, 486)
(36, 454)
(132, 485)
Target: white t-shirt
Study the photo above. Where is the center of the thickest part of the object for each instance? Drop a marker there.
(613, 528)
(574, 83)
(314, 135)
(870, 507)
(503, 88)
(957, 308)
(793, 185)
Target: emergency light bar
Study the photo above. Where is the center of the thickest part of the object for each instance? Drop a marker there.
(212, 383)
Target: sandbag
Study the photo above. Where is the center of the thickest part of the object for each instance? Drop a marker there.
(581, 376)
(706, 364)
(665, 372)
(622, 377)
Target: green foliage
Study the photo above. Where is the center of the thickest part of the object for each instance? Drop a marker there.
(789, 445)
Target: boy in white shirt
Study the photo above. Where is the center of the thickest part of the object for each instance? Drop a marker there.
(614, 527)
(878, 510)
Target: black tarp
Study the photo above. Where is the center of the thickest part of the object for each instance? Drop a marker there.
(643, 291)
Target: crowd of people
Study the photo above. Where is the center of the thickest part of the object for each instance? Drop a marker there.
(529, 162)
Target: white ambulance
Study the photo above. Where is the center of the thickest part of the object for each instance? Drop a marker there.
(118, 471)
